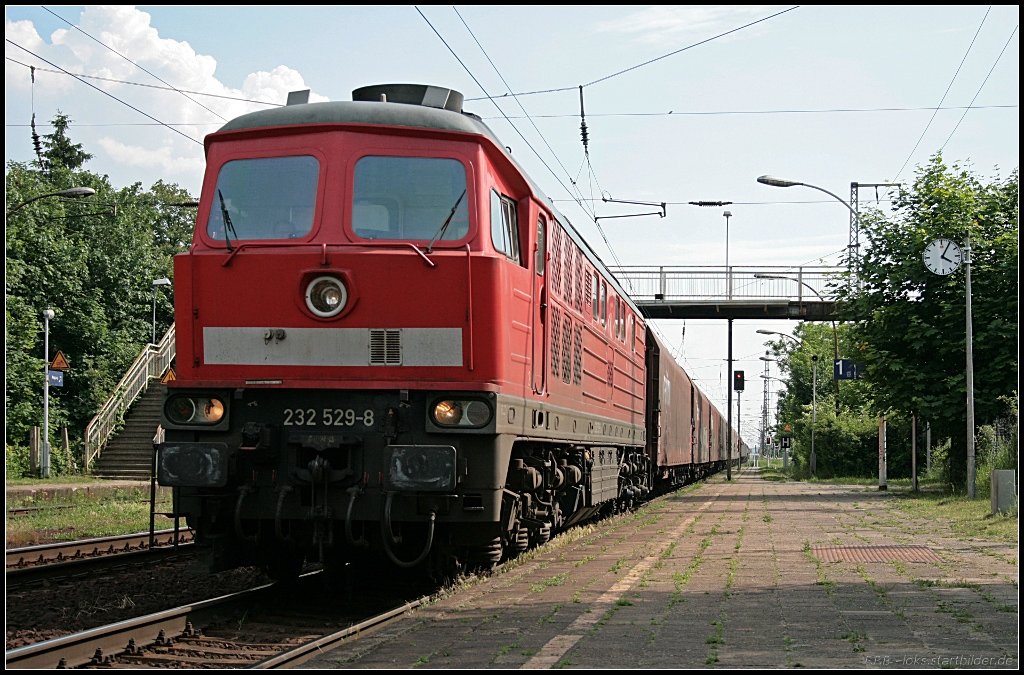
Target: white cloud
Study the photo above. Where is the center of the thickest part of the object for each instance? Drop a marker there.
(162, 158)
(664, 24)
(141, 150)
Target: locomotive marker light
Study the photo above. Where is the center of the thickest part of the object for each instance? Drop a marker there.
(157, 283)
(461, 413)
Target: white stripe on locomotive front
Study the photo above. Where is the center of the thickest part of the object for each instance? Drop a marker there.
(326, 346)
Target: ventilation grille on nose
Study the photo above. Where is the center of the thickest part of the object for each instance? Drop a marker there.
(385, 347)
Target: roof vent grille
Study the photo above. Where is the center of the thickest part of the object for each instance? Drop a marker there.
(412, 94)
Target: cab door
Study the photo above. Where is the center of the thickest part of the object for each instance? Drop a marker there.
(539, 314)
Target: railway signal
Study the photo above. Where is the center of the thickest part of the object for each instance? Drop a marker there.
(737, 381)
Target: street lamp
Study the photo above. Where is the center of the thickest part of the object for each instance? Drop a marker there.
(772, 332)
(44, 461)
(156, 284)
(70, 193)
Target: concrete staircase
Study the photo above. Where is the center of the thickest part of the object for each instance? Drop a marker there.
(129, 452)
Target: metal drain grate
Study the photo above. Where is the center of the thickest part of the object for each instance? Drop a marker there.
(882, 554)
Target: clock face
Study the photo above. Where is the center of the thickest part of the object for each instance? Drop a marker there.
(942, 256)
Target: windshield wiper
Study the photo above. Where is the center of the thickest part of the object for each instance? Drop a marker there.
(445, 224)
(228, 227)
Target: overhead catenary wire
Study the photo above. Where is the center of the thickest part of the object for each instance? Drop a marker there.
(650, 61)
(980, 87)
(518, 102)
(79, 29)
(125, 103)
(944, 94)
(579, 201)
(671, 113)
(61, 71)
(484, 89)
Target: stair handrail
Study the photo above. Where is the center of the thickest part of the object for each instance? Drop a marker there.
(152, 362)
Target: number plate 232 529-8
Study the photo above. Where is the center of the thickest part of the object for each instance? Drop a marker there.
(327, 417)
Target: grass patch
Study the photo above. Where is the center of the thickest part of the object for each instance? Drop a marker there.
(56, 480)
(83, 516)
(967, 517)
(774, 475)
(556, 580)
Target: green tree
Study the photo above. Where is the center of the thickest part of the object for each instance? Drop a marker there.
(92, 261)
(846, 443)
(908, 325)
(58, 150)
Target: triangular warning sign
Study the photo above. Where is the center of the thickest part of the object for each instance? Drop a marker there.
(168, 376)
(59, 362)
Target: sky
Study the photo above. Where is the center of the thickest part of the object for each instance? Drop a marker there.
(682, 103)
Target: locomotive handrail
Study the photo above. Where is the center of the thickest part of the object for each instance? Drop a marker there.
(735, 283)
(151, 363)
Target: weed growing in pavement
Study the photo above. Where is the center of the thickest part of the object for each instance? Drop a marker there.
(819, 568)
(556, 580)
(550, 616)
(715, 639)
(855, 638)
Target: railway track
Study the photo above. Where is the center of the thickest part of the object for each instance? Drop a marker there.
(265, 627)
(46, 560)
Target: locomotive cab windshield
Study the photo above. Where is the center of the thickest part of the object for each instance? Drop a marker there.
(264, 198)
(410, 199)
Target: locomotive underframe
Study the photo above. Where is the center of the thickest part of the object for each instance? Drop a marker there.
(332, 475)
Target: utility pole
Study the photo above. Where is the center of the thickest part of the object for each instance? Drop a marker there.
(728, 406)
(764, 407)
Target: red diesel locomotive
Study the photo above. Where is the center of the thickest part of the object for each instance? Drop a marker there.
(390, 343)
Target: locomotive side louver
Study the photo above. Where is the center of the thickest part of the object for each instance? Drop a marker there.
(385, 347)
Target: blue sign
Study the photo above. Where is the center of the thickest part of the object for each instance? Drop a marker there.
(55, 378)
(844, 369)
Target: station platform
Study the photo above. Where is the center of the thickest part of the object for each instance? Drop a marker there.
(742, 574)
(43, 490)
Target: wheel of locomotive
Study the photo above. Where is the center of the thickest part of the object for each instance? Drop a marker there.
(447, 565)
(520, 541)
(541, 535)
(486, 555)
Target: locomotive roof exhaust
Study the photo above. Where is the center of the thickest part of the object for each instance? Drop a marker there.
(412, 94)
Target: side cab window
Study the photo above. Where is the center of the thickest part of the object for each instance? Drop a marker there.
(504, 226)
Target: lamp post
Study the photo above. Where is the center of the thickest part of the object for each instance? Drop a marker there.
(728, 273)
(70, 193)
(764, 404)
(814, 408)
(156, 284)
(44, 460)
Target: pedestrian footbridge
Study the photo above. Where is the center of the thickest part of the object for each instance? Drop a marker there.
(715, 292)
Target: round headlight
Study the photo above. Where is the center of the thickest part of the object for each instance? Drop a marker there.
(447, 413)
(326, 296)
(213, 410)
